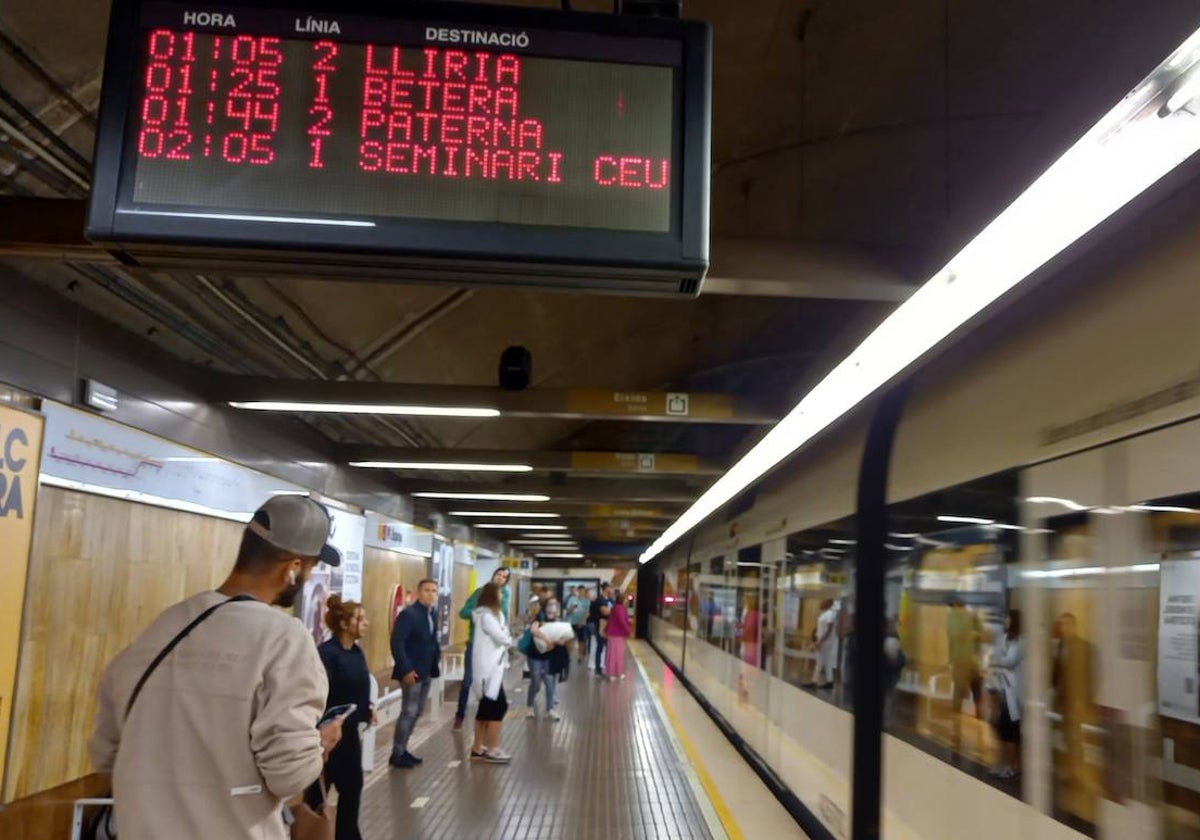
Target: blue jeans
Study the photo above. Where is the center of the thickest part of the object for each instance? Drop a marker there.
(539, 672)
(412, 703)
(601, 644)
(464, 691)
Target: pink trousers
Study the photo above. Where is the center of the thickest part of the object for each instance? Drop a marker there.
(614, 656)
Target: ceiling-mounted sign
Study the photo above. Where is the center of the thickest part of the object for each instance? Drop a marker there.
(627, 512)
(634, 462)
(650, 404)
(469, 140)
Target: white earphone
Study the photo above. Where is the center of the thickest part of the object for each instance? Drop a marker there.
(292, 576)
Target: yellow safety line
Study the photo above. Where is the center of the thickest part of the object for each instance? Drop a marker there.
(710, 788)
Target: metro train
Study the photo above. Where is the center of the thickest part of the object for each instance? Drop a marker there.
(1048, 463)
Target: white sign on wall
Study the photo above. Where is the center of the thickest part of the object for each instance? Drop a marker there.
(1179, 640)
(84, 452)
(349, 531)
(393, 535)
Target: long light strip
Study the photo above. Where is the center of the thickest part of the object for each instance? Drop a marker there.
(505, 514)
(441, 466)
(485, 497)
(559, 556)
(509, 526)
(242, 217)
(1132, 146)
(366, 408)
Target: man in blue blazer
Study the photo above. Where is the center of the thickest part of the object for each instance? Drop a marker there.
(417, 654)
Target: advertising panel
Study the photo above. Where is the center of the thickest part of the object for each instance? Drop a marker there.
(20, 448)
(1178, 647)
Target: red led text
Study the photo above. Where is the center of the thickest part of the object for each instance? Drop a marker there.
(631, 173)
(450, 114)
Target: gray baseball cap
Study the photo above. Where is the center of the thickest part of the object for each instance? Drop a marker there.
(299, 524)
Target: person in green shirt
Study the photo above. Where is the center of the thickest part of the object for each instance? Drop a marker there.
(500, 578)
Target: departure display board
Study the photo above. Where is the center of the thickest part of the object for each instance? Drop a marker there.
(259, 122)
(330, 124)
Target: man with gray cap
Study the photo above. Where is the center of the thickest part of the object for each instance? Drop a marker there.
(208, 721)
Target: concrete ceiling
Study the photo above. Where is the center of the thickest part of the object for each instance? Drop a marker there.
(856, 144)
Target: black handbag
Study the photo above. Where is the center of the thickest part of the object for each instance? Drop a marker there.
(102, 826)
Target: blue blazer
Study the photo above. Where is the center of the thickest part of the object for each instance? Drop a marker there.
(414, 646)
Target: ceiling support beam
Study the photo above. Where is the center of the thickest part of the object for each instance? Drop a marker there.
(780, 268)
(590, 463)
(559, 403)
(616, 492)
(47, 228)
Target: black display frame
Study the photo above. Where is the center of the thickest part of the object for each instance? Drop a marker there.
(488, 251)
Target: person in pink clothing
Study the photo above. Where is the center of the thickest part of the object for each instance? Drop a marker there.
(616, 630)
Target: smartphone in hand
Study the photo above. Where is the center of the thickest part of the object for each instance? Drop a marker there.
(335, 712)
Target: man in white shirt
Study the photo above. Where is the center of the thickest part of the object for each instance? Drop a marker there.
(224, 729)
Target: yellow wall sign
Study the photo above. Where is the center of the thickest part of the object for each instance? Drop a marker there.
(20, 457)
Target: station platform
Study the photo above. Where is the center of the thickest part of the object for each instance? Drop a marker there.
(635, 759)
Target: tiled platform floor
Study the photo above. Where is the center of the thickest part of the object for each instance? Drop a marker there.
(606, 771)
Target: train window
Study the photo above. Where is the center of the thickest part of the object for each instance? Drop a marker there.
(753, 606)
(954, 648)
(1072, 584)
(815, 621)
(1159, 623)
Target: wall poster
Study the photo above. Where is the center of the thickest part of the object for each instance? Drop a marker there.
(20, 453)
(1179, 640)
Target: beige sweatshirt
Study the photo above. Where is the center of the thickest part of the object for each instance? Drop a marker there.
(221, 734)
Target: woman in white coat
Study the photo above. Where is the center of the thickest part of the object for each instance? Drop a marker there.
(1005, 681)
(489, 663)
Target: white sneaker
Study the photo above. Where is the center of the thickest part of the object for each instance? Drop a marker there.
(553, 715)
(497, 757)
(531, 714)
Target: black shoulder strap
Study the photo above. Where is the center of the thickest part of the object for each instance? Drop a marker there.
(183, 634)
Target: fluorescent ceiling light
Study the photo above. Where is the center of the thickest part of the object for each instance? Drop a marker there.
(444, 467)
(843, 542)
(966, 520)
(1163, 509)
(559, 556)
(548, 536)
(367, 408)
(508, 526)
(1054, 500)
(486, 497)
(506, 514)
(1128, 150)
(1062, 573)
(903, 536)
